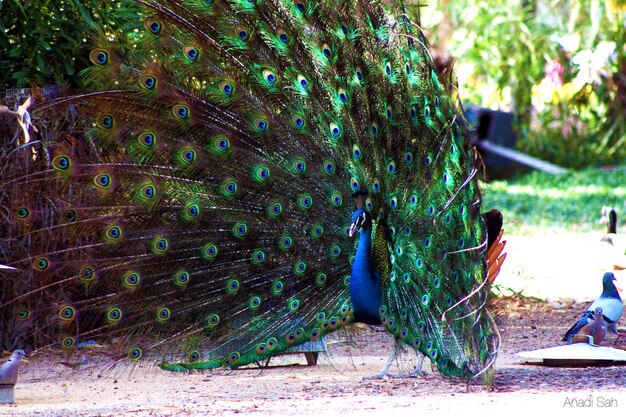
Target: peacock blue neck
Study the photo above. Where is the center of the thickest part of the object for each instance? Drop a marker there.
(365, 288)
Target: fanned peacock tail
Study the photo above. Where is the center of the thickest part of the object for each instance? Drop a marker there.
(204, 219)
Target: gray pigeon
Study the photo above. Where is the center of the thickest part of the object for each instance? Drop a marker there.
(8, 370)
(609, 301)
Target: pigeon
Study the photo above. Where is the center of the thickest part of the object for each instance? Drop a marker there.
(609, 301)
(594, 331)
(8, 370)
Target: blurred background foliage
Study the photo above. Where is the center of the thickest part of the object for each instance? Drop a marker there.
(559, 65)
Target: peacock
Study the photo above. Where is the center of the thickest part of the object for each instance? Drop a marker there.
(241, 177)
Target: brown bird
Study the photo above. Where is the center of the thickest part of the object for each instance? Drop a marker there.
(594, 331)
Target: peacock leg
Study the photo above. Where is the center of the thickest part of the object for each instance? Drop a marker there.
(416, 373)
(384, 372)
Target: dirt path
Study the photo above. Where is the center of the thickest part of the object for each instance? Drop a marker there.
(334, 387)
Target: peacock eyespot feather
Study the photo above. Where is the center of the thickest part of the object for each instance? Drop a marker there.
(299, 166)
(447, 218)
(193, 356)
(426, 299)
(154, 26)
(419, 263)
(320, 279)
(103, 181)
(99, 57)
(114, 315)
(70, 216)
(87, 274)
(298, 121)
(181, 278)
(147, 140)
(62, 163)
(229, 187)
(391, 167)
(399, 251)
(431, 210)
(317, 231)
(213, 320)
(23, 315)
(67, 313)
(209, 252)
(421, 326)
(302, 82)
(181, 112)
(375, 129)
(147, 192)
(408, 157)
(344, 29)
(321, 316)
(359, 74)
(274, 209)
(326, 50)
(261, 348)
(105, 121)
(260, 173)
(436, 283)
(113, 234)
(163, 314)
(329, 167)
(160, 245)
(285, 242)
(406, 278)
(299, 333)
(243, 34)
(149, 82)
(191, 211)
(299, 268)
(461, 243)
(220, 145)
(272, 343)
(227, 88)
(269, 77)
(427, 242)
(232, 286)
(335, 130)
(240, 229)
(393, 202)
(131, 280)
(343, 97)
(388, 69)
(407, 69)
(315, 334)
(427, 112)
(354, 184)
(22, 213)
(356, 152)
(134, 354)
(254, 302)
(261, 125)
(335, 251)
(277, 287)
(282, 36)
(305, 201)
(68, 342)
(191, 53)
(294, 304)
(389, 113)
(336, 199)
(300, 6)
(258, 257)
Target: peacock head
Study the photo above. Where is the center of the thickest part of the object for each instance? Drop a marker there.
(361, 219)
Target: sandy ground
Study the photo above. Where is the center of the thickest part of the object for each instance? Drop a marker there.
(557, 270)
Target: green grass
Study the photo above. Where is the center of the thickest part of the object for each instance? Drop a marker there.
(541, 203)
